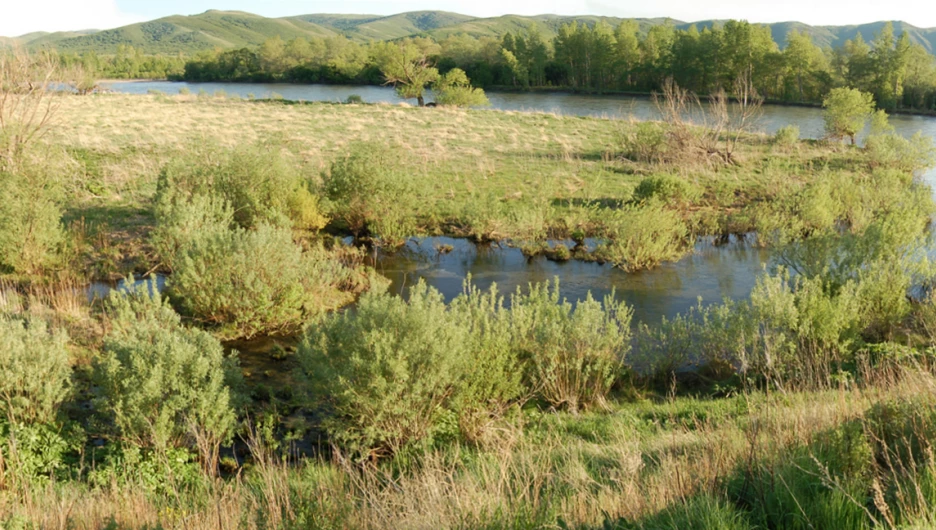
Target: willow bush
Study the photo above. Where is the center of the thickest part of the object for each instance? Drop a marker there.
(260, 182)
(31, 237)
(398, 373)
(249, 282)
(371, 189)
(35, 370)
(165, 385)
(575, 352)
(642, 236)
(388, 370)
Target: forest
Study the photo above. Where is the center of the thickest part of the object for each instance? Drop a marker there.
(598, 58)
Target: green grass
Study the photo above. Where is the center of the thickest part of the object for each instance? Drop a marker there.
(482, 174)
(657, 454)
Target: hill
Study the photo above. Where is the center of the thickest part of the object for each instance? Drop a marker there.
(369, 27)
(231, 29)
(835, 36)
(189, 34)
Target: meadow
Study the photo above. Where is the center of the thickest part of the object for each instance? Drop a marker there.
(807, 405)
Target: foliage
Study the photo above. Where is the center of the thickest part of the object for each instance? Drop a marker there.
(787, 136)
(371, 187)
(165, 385)
(30, 238)
(886, 148)
(38, 452)
(388, 369)
(642, 236)
(667, 189)
(453, 89)
(579, 54)
(647, 141)
(574, 353)
(406, 65)
(846, 111)
(35, 370)
(259, 182)
(254, 281)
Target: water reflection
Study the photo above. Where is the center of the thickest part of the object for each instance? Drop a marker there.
(710, 273)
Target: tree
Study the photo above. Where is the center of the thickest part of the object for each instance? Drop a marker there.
(272, 56)
(520, 74)
(406, 65)
(454, 89)
(801, 57)
(627, 52)
(846, 110)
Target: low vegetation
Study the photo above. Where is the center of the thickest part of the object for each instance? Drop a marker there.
(807, 404)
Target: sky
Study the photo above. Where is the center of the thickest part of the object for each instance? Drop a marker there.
(25, 16)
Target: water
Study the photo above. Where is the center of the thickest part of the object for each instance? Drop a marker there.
(712, 273)
(808, 119)
(100, 290)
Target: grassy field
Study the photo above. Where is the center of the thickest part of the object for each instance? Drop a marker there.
(487, 175)
(808, 405)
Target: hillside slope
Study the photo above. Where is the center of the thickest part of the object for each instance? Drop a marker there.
(232, 29)
(189, 34)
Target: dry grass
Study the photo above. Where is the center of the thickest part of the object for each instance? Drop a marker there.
(630, 470)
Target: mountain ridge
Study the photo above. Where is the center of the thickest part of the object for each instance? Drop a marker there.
(233, 29)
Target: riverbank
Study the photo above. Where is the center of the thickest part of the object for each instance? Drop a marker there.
(488, 176)
(447, 402)
(499, 89)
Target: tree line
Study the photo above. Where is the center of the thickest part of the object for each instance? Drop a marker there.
(597, 58)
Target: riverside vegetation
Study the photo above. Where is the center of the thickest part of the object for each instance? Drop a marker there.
(808, 405)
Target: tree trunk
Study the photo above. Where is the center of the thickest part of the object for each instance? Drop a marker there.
(421, 101)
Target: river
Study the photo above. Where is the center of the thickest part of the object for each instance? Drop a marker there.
(710, 273)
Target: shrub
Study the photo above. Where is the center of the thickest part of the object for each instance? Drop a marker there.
(643, 236)
(574, 353)
(646, 141)
(35, 372)
(886, 148)
(181, 222)
(846, 111)
(30, 237)
(454, 89)
(787, 136)
(255, 281)
(371, 188)
(259, 183)
(668, 189)
(387, 369)
(400, 373)
(354, 99)
(165, 385)
(35, 452)
(184, 91)
(792, 333)
(492, 378)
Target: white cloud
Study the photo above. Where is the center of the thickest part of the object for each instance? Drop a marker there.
(26, 16)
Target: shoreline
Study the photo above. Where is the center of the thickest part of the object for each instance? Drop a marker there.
(539, 90)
